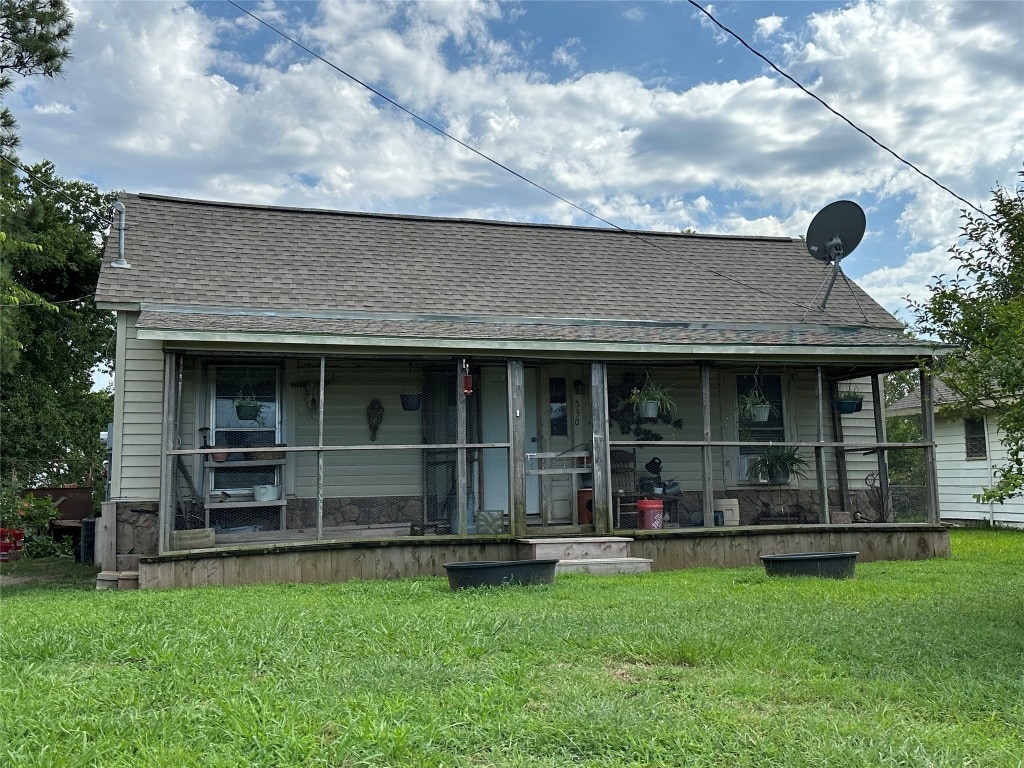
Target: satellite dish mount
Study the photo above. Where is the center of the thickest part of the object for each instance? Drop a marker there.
(833, 234)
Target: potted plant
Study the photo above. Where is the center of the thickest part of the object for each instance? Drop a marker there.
(777, 464)
(754, 406)
(849, 401)
(247, 408)
(651, 399)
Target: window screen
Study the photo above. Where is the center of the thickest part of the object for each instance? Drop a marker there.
(974, 438)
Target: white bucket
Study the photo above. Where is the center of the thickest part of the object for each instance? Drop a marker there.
(266, 492)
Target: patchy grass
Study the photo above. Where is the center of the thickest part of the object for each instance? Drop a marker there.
(909, 664)
(46, 573)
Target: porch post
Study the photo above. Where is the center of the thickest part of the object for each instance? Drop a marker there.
(167, 479)
(819, 452)
(931, 481)
(320, 453)
(707, 478)
(460, 453)
(883, 464)
(601, 458)
(842, 475)
(517, 413)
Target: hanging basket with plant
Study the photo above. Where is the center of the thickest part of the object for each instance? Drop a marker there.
(849, 401)
(247, 407)
(651, 399)
(754, 406)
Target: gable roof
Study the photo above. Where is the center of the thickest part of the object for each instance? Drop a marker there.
(205, 267)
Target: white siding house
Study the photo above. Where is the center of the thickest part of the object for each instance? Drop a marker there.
(968, 453)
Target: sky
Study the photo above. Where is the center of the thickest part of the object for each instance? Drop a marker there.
(644, 113)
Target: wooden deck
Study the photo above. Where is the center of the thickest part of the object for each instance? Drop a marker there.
(672, 549)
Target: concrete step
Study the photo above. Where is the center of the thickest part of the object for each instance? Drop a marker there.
(605, 566)
(578, 547)
(117, 580)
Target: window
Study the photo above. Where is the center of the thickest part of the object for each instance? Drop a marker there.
(559, 407)
(244, 414)
(749, 429)
(974, 438)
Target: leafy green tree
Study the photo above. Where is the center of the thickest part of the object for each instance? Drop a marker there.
(33, 41)
(50, 416)
(979, 313)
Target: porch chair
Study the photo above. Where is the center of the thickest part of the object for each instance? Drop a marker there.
(624, 490)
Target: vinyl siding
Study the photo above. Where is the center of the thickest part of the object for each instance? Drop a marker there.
(139, 395)
(357, 473)
(960, 478)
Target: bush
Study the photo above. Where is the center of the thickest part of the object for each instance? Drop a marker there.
(34, 516)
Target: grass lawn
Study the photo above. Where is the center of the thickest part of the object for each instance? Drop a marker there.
(909, 664)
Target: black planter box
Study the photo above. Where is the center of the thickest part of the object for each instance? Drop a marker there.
(829, 565)
(498, 573)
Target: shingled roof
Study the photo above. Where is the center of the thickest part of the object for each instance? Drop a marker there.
(206, 266)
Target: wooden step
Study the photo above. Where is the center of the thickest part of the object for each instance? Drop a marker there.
(605, 566)
(579, 547)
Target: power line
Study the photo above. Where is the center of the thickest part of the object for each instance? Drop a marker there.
(835, 112)
(474, 150)
(21, 305)
(419, 119)
(72, 200)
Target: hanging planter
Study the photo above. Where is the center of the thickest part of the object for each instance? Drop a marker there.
(754, 406)
(247, 410)
(650, 400)
(410, 401)
(848, 401)
(247, 407)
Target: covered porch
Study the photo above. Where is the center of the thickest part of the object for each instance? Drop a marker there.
(280, 450)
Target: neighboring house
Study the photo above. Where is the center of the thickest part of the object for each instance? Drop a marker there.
(288, 377)
(968, 451)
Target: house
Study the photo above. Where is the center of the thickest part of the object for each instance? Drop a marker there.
(968, 451)
(309, 394)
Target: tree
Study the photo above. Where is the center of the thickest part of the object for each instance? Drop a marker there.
(979, 314)
(50, 416)
(33, 37)
(33, 41)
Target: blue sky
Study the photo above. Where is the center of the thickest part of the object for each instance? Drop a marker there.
(642, 112)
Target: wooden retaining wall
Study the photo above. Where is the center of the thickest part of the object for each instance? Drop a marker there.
(395, 559)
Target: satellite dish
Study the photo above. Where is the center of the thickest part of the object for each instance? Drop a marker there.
(835, 231)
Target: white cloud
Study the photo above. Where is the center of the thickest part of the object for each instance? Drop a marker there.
(567, 54)
(167, 100)
(768, 26)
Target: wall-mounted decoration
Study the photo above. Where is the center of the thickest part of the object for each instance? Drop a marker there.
(374, 417)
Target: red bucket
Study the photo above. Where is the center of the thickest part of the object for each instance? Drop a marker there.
(651, 512)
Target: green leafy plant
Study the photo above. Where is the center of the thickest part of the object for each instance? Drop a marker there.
(248, 408)
(849, 396)
(754, 406)
(777, 464)
(650, 392)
